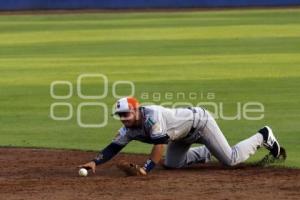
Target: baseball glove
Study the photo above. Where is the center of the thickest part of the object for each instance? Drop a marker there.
(131, 169)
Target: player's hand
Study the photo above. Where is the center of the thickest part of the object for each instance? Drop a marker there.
(90, 165)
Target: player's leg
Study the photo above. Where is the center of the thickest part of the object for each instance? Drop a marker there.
(179, 154)
(217, 144)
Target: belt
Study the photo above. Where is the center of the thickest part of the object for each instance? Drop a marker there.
(197, 119)
(194, 126)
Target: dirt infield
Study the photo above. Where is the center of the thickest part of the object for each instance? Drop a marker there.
(52, 174)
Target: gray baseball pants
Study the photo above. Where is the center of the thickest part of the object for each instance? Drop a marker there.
(180, 154)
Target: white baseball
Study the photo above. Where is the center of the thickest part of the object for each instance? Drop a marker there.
(83, 172)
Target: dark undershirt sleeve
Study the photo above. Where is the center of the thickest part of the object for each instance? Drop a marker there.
(108, 153)
(163, 139)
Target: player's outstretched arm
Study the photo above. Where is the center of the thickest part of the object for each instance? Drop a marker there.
(105, 155)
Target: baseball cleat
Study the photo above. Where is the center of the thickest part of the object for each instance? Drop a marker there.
(269, 159)
(270, 142)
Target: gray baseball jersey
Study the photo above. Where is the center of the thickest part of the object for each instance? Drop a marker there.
(158, 122)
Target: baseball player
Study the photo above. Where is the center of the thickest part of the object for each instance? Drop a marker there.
(179, 128)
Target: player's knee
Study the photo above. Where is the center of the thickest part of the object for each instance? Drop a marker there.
(227, 159)
(228, 162)
(172, 165)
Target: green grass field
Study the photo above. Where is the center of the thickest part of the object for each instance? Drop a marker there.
(240, 56)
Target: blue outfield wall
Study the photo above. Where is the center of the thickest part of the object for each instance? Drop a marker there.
(135, 4)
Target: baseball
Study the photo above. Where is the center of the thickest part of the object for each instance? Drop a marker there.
(83, 172)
